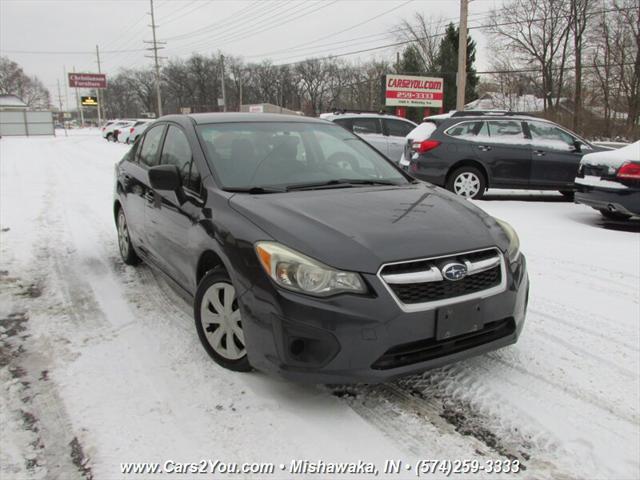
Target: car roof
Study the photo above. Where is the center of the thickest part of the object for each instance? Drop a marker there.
(333, 116)
(235, 117)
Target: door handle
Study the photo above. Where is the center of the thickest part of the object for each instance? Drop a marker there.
(484, 148)
(150, 197)
(539, 153)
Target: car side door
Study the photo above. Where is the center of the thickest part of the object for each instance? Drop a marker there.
(504, 150)
(396, 131)
(554, 156)
(171, 217)
(135, 181)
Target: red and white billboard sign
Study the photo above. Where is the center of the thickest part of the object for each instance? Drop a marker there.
(87, 80)
(411, 91)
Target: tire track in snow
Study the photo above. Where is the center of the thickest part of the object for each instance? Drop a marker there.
(615, 341)
(45, 414)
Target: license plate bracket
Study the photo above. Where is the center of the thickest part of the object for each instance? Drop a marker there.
(458, 319)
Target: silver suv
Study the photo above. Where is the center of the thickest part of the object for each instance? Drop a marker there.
(386, 133)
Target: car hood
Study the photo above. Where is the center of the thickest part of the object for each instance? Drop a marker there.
(361, 228)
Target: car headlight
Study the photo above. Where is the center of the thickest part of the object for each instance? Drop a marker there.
(514, 242)
(295, 271)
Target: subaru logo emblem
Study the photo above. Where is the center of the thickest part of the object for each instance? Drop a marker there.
(454, 271)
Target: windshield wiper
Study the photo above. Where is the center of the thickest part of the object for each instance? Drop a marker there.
(255, 190)
(339, 183)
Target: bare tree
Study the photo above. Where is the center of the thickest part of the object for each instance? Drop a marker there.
(13, 81)
(537, 31)
(425, 35)
(579, 20)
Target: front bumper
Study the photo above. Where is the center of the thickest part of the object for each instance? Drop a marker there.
(352, 338)
(621, 200)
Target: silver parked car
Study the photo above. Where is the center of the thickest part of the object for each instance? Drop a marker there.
(386, 133)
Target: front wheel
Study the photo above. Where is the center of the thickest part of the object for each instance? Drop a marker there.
(219, 321)
(467, 182)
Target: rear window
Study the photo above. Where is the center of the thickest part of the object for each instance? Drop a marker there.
(422, 131)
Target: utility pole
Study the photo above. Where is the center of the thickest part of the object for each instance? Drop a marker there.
(66, 87)
(462, 55)
(98, 90)
(61, 109)
(240, 89)
(224, 92)
(78, 104)
(155, 57)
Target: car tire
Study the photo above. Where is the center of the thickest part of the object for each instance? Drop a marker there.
(467, 182)
(127, 252)
(568, 194)
(219, 322)
(614, 215)
(109, 137)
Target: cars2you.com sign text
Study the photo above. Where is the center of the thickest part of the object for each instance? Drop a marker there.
(410, 91)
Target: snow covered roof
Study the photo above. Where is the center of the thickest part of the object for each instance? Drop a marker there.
(518, 103)
(614, 158)
(11, 101)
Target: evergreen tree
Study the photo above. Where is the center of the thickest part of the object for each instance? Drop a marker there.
(411, 63)
(447, 66)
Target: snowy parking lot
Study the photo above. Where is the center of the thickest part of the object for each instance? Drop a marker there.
(100, 362)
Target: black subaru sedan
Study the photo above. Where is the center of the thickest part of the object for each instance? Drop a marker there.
(308, 254)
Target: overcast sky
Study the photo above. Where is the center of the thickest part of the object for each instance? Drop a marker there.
(282, 30)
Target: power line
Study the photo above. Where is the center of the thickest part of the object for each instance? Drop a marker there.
(413, 40)
(333, 34)
(234, 18)
(185, 13)
(277, 15)
(351, 40)
(76, 52)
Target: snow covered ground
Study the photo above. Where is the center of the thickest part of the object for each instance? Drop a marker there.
(100, 363)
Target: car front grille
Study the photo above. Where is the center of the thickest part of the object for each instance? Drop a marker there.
(420, 283)
(430, 349)
(430, 291)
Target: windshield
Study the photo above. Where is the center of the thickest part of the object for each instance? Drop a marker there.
(285, 155)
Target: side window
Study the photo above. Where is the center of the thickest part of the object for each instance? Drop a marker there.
(508, 131)
(150, 150)
(464, 129)
(343, 122)
(176, 151)
(547, 134)
(132, 154)
(364, 126)
(398, 128)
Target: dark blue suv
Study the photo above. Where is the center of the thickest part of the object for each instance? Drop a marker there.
(468, 152)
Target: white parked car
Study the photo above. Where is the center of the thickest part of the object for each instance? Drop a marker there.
(108, 131)
(384, 132)
(136, 130)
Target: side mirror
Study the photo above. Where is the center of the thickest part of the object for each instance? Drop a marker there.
(165, 177)
(577, 145)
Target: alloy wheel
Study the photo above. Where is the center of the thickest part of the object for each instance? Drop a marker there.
(221, 321)
(123, 235)
(467, 184)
